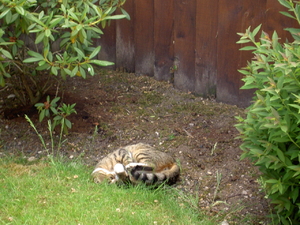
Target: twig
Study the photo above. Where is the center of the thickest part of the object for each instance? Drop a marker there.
(188, 133)
(2, 89)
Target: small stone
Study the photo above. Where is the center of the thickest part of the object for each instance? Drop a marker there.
(224, 223)
(31, 159)
(11, 96)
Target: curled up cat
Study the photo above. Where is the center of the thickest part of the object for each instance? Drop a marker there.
(139, 163)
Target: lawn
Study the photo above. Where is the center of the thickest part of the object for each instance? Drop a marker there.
(58, 192)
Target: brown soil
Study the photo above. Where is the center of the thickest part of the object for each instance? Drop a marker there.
(116, 109)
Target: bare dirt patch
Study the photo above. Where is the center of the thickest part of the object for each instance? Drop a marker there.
(116, 109)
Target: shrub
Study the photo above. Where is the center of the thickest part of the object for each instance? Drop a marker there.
(270, 131)
(42, 38)
(60, 113)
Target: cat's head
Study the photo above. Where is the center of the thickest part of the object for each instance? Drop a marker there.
(119, 175)
(102, 175)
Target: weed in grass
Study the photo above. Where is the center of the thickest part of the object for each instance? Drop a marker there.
(62, 193)
(214, 148)
(1, 140)
(50, 129)
(36, 131)
(219, 178)
(95, 134)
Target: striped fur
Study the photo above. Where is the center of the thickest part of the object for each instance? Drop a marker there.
(139, 163)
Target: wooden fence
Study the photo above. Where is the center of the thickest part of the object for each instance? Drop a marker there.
(196, 38)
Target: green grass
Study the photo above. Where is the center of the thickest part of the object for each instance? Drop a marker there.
(54, 192)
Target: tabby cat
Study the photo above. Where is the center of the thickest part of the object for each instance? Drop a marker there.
(139, 163)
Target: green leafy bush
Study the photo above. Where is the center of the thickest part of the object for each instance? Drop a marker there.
(42, 38)
(271, 130)
(60, 113)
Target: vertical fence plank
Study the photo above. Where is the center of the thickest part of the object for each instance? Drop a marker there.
(206, 47)
(227, 56)
(184, 40)
(107, 41)
(125, 40)
(163, 39)
(235, 18)
(143, 37)
(254, 13)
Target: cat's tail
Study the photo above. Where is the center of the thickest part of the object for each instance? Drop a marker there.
(148, 176)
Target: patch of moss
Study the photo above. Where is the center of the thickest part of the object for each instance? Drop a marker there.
(150, 98)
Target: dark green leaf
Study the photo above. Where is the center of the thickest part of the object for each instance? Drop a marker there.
(30, 60)
(272, 181)
(68, 123)
(8, 17)
(242, 41)
(285, 3)
(54, 70)
(248, 48)
(127, 16)
(35, 54)
(47, 32)
(82, 72)
(95, 52)
(295, 194)
(255, 31)
(40, 37)
(115, 17)
(101, 63)
(6, 53)
(42, 115)
(20, 10)
(80, 53)
(5, 12)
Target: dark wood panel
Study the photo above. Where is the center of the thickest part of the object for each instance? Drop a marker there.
(206, 47)
(235, 18)
(184, 44)
(107, 41)
(125, 54)
(254, 13)
(163, 39)
(143, 37)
